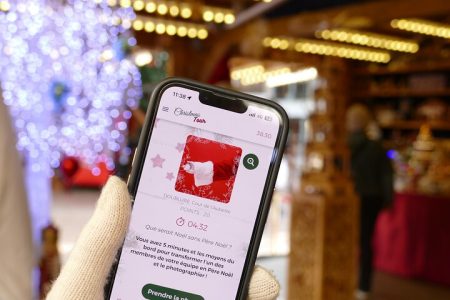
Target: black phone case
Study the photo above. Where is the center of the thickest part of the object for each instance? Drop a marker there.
(139, 157)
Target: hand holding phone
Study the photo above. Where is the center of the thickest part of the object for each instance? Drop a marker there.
(85, 273)
(201, 182)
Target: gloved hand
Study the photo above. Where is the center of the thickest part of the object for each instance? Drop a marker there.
(84, 275)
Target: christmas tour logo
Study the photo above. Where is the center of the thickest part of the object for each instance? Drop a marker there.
(208, 169)
(196, 116)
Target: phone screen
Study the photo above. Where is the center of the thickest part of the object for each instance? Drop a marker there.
(197, 200)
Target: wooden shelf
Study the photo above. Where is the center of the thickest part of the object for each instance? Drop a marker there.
(398, 93)
(406, 69)
(415, 125)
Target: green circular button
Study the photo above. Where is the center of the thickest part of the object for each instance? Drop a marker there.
(250, 161)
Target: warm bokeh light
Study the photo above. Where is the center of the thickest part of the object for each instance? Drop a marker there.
(172, 28)
(160, 28)
(150, 7)
(162, 9)
(112, 2)
(174, 11)
(208, 16)
(302, 75)
(138, 25)
(202, 34)
(143, 58)
(125, 3)
(258, 74)
(327, 48)
(229, 18)
(5, 6)
(149, 26)
(138, 5)
(182, 31)
(369, 39)
(186, 12)
(423, 27)
(218, 15)
(192, 33)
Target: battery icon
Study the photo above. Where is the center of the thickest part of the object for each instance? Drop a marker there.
(268, 118)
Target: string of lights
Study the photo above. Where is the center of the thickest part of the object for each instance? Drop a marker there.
(160, 26)
(423, 27)
(327, 48)
(179, 9)
(174, 9)
(369, 39)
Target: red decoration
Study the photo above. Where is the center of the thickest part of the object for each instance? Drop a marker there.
(411, 239)
(208, 169)
(69, 166)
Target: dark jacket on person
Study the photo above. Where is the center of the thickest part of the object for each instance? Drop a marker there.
(371, 169)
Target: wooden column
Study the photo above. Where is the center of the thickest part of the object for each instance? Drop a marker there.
(324, 224)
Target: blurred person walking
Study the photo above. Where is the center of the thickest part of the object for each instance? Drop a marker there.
(16, 251)
(373, 178)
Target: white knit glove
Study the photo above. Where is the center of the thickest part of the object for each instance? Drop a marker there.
(84, 275)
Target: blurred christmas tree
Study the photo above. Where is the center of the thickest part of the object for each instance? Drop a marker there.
(69, 85)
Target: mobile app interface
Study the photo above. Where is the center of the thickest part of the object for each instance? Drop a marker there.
(197, 200)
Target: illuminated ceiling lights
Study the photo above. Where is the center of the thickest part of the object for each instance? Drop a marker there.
(292, 77)
(180, 29)
(142, 58)
(327, 48)
(369, 39)
(422, 27)
(218, 15)
(163, 8)
(256, 74)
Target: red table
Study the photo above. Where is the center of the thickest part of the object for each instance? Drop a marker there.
(413, 238)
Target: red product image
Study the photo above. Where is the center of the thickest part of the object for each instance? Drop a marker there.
(208, 169)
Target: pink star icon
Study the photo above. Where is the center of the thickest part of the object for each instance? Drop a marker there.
(180, 147)
(157, 161)
(170, 176)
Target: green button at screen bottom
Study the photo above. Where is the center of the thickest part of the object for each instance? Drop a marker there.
(157, 292)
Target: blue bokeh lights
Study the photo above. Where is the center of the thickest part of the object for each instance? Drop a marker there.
(66, 79)
(68, 85)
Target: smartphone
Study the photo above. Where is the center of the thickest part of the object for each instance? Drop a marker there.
(201, 183)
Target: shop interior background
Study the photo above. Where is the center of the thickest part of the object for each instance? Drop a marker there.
(75, 80)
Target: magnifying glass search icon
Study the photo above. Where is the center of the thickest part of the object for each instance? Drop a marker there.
(251, 161)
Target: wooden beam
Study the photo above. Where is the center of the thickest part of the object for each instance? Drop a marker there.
(376, 12)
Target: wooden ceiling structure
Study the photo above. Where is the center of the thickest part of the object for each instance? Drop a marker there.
(256, 19)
